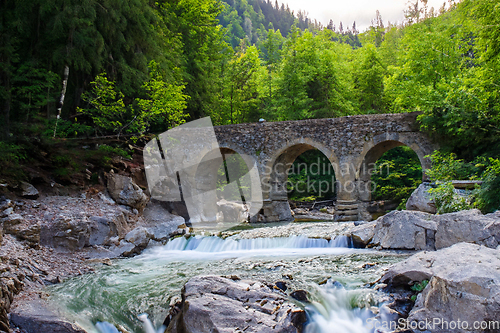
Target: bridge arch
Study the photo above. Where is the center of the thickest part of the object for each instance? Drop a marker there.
(370, 155)
(275, 175)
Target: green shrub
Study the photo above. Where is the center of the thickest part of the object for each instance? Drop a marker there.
(115, 151)
(447, 200)
(488, 195)
(11, 156)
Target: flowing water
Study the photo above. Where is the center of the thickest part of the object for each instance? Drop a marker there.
(332, 273)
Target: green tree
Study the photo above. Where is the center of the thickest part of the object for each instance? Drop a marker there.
(369, 79)
(107, 111)
(164, 106)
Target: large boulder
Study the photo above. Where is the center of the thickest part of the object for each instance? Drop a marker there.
(405, 230)
(35, 316)
(467, 226)
(101, 229)
(65, 233)
(217, 304)
(421, 200)
(124, 191)
(160, 222)
(464, 286)
(412, 230)
(362, 234)
(139, 237)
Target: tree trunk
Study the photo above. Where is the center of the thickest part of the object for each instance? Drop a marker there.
(61, 100)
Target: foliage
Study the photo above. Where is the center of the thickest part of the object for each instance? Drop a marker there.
(396, 175)
(11, 153)
(108, 110)
(448, 200)
(165, 103)
(115, 151)
(488, 195)
(311, 177)
(66, 129)
(446, 166)
(418, 287)
(238, 169)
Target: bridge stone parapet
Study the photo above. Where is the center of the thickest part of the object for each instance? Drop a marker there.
(351, 144)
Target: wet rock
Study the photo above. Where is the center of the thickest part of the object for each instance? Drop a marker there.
(362, 235)
(29, 191)
(5, 204)
(123, 249)
(216, 304)
(281, 285)
(139, 237)
(160, 222)
(464, 284)
(300, 295)
(420, 200)
(35, 317)
(124, 191)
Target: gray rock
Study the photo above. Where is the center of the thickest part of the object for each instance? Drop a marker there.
(30, 234)
(139, 238)
(124, 191)
(106, 199)
(363, 234)
(216, 304)
(412, 230)
(65, 233)
(29, 191)
(159, 221)
(35, 317)
(420, 200)
(408, 230)
(6, 203)
(102, 229)
(7, 212)
(124, 249)
(464, 284)
(467, 226)
(11, 223)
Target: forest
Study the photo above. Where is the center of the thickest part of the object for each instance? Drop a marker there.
(127, 68)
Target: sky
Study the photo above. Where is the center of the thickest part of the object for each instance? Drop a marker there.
(348, 11)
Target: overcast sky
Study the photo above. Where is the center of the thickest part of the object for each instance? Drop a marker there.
(348, 11)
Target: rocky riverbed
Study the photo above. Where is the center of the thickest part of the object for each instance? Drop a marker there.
(57, 239)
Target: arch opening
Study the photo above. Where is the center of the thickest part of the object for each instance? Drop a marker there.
(390, 172)
(302, 177)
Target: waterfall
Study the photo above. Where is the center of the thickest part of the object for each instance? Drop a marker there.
(215, 244)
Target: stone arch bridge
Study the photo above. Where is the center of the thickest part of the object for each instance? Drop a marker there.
(351, 144)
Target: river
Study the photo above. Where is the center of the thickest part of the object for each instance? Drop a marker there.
(335, 275)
